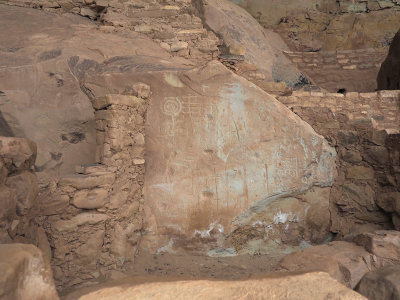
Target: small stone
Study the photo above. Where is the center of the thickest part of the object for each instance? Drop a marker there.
(138, 161)
(79, 220)
(377, 155)
(165, 46)
(347, 137)
(360, 173)
(87, 181)
(351, 156)
(87, 12)
(90, 199)
(175, 47)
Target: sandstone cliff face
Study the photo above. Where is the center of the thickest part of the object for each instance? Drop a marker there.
(329, 25)
(389, 74)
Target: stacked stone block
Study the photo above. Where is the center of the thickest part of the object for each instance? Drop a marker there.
(353, 70)
(365, 129)
(95, 221)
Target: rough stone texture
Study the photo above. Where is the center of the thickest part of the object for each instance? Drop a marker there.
(18, 193)
(381, 284)
(365, 129)
(261, 48)
(384, 244)
(344, 261)
(99, 231)
(316, 286)
(329, 25)
(389, 74)
(25, 273)
(351, 70)
(207, 165)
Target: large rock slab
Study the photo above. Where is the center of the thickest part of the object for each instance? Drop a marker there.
(316, 286)
(381, 284)
(260, 47)
(219, 149)
(25, 273)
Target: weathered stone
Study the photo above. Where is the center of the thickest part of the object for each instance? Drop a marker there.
(360, 173)
(17, 153)
(348, 137)
(79, 220)
(316, 286)
(25, 273)
(238, 170)
(381, 284)
(118, 199)
(384, 244)
(350, 156)
(52, 204)
(346, 262)
(90, 199)
(141, 90)
(88, 252)
(175, 47)
(26, 187)
(376, 155)
(126, 100)
(123, 245)
(262, 48)
(87, 181)
(362, 194)
(389, 202)
(8, 202)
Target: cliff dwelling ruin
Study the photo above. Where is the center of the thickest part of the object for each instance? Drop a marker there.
(205, 149)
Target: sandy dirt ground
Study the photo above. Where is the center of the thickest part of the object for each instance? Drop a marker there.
(170, 267)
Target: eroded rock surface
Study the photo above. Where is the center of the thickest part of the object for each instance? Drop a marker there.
(208, 162)
(316, 286)
(381, 284)
(344, 261)
(25, 273)
(243, 35)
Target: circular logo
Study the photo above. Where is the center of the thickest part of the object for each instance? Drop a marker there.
(172, 107)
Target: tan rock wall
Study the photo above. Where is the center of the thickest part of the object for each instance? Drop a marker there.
(364, 127)
(175, 25)
(94, 217)
(353, 70)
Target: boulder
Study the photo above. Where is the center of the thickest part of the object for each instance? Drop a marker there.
(316, 286)
(381, 284)
(245, 36)
(344, 261)
(384, 244)
(25, 273)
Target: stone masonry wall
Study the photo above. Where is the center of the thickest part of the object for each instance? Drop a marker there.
(365, 129)
(94, 217)
(353, 70)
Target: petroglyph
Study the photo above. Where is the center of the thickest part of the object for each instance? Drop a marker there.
(211, 159)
